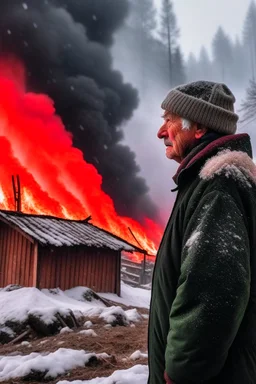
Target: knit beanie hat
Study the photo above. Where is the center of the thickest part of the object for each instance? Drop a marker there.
(204, 102)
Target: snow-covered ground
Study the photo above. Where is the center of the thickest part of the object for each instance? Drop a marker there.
(136, 297)
(16, 306)
(135, 375)
(51, 364)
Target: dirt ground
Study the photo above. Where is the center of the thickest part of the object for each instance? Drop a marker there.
(119, 342)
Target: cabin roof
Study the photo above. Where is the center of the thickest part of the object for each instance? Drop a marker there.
(58, 232)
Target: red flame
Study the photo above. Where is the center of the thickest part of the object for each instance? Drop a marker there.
(55, 179)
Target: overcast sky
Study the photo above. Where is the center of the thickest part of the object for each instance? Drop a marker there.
(198, 20)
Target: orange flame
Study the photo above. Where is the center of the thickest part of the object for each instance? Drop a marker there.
(55, 179)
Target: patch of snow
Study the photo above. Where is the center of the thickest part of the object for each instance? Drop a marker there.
(135, 375)
(109, 315)
(53, 364)
(108, 326)
(78, 293)
(88, 324)
(66, 330)
(138, 355)
(133, 315)
(130, 296)
(7, 330)
(89, 332)
(25, 343)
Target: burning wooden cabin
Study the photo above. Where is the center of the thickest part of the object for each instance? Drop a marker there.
(49, 252)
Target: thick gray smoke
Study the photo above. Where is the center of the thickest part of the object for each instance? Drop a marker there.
(65, 45)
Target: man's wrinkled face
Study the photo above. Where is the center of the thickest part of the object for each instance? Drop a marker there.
(177, 135)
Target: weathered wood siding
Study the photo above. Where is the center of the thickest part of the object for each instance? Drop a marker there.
(16, 257)
(68, 267)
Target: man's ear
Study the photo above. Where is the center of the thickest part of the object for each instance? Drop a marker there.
(200, 131)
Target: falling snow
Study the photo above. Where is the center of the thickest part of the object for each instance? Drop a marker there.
(25, 6)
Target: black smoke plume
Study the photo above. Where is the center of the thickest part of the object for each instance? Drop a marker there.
(65, 45)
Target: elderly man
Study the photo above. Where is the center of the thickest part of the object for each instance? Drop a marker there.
(202, 326)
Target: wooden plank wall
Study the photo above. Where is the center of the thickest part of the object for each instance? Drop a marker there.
(16, 258)
(69, 267)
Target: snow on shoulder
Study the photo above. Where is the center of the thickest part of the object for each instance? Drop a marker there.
(234, 164)
(193, 240)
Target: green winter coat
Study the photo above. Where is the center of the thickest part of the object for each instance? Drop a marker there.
(202, 326)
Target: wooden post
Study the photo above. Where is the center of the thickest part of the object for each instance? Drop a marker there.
(35, 269)
(143, 270)
(16, 193)
(118, 275)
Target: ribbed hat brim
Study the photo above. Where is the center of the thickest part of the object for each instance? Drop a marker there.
(200, 111)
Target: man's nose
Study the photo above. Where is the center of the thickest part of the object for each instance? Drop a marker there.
(162, 133)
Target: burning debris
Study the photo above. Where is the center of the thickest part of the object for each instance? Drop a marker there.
(65, 48)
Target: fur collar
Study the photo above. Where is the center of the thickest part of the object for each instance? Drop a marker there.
(236, 164)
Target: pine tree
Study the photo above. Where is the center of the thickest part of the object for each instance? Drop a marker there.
(249, 37)
(240, 67)
(143, 23)
(169, 33)
(192, 67)
(143, 16)
(248, 106)
(179, 75)
(222, 54)
(204, 65)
